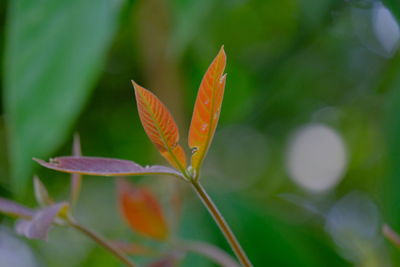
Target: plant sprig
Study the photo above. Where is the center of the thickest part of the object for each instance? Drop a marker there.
(162, 130)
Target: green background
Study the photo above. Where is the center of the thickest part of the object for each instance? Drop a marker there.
(67, 66)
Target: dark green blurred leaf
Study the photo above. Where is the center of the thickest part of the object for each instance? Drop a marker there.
(54, 53)
(390, 191)
(394, 6)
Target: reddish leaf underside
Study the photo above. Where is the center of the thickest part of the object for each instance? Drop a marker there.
(160, 127)
(207, 109)
(104, 167)
(142, 211)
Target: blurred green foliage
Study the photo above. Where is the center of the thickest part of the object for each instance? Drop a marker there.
(67, 67)
(54, 53)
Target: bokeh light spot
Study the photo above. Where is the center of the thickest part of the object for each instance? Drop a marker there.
(316, 157)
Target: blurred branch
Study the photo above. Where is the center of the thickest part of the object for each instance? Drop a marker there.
(102, 242)
(391, 235)
(210, 251)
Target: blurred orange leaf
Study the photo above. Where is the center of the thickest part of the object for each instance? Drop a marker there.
(207, 109)
(160, 127)
(142, 211)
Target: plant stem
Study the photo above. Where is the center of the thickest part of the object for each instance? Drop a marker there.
(102, 242)
(223, 225)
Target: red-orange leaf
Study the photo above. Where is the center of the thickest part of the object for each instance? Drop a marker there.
(142, 211)
(207, 109)
(160, 127)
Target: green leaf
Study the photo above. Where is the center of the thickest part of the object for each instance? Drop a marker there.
(390, 84)
(54, 53)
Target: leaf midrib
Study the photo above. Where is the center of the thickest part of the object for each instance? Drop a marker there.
(163, 138)
(208, 138)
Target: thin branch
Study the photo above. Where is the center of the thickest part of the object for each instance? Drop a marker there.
(391, 235)
(102, 242)
(222, 224)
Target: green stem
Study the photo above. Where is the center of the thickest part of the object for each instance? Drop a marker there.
(102, 242)
(223, 225)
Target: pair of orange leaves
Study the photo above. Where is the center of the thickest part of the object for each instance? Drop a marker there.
(162, 129)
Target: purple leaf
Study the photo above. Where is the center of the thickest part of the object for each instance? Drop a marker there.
(39, 226)
(15, 209)
(105, 167)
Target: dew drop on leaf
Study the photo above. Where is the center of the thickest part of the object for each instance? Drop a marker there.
(194, 150)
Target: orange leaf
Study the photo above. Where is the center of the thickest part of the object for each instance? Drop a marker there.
(142, 211)
(207, 109)
(160, 127)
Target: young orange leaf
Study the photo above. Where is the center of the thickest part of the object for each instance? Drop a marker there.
(160, 127)
(142, 211)
(207, 109)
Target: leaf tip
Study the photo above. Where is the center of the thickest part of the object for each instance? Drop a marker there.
(222, 52)
(139, 91)
(136, 86)
(40, 161)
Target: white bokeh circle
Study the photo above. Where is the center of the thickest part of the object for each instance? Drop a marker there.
(316, 157)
